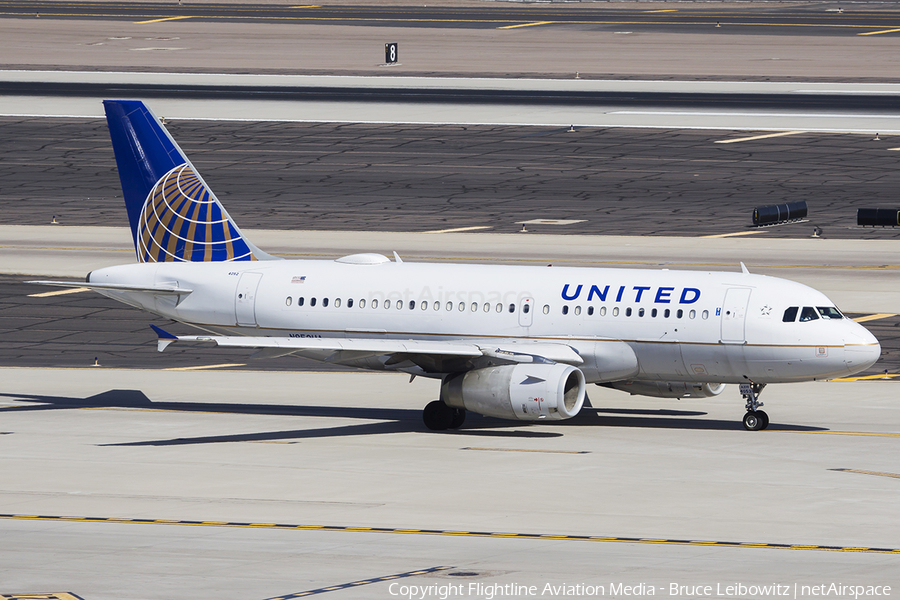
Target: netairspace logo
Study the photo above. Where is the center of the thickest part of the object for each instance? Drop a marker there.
(491, 591)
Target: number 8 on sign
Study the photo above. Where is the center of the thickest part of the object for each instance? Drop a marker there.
(390, 53)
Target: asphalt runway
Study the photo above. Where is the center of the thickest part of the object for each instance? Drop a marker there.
(423, 178)
(783, 20)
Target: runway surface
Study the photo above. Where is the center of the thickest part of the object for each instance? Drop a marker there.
(299, 482)
(680, 43)
(794, 19)
(425, 178)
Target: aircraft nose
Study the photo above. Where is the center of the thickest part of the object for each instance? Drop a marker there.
(861, 349)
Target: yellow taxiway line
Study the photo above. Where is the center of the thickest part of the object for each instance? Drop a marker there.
(454, 533)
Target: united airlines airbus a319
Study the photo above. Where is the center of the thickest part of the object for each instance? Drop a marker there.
(506, 341)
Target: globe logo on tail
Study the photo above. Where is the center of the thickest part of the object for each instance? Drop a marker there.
(182, 221)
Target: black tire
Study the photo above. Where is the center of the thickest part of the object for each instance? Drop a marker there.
(459, 417)
(765, 418)
(752, 421)
(437, 416)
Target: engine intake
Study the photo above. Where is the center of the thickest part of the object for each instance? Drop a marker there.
(668, 389)
(527, 392)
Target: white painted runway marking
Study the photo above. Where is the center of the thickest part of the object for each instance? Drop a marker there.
(459, 229)
(758, 137)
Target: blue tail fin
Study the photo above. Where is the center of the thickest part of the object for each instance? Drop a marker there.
(174, 216)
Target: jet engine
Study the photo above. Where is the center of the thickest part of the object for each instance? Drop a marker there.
(668, 389)
(527, 392)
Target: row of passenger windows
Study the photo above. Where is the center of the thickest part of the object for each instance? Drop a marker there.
(398, 304)
(653, 312)
(808, 313)
(488, 307)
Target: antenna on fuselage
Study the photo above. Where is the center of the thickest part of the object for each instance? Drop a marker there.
(397, 257)
(744, 269)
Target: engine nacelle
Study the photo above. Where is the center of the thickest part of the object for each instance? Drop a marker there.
(527, 392)
(668, 389)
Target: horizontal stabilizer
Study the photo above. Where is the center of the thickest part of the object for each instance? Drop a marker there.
(118, 287)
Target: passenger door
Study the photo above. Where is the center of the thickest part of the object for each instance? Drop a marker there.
(245, 299)
(734, 314)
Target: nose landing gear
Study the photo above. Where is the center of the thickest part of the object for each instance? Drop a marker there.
(755, 419)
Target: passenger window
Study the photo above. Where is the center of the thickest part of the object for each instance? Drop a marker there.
(462, 306)
(512, 308)
(487, 307)
(577, 310)
(790, 315)
(337, 302)
(424, 305)
(590, 310)
(667, 313)
(287, 301)
(602, 311)
(565, 310)
(499, 308)
(680, 313)
(300, 301)
(412, 305)
(349, 302)
(653, 313)
(526, 308)
(312, 301)
(615, 311)
(808, 314)
(546, 309)
(387, 303)
(628, 312)
(362, 302)
(449, 306)
(474, 306)
(830, 312)
(324, 301)
(437, 305)
(692, 314)
(640, 312)
(705, 314)
(400, 305)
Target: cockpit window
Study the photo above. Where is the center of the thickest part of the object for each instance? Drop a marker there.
(808, 314)
(830, 312)
(790, 315)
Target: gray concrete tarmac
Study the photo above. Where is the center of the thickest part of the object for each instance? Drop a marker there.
(428, 177)
(348, 451)
(615, 50)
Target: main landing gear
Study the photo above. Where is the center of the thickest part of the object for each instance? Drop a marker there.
(755, 419)
(440, 417)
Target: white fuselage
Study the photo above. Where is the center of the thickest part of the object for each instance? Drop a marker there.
(685, 326)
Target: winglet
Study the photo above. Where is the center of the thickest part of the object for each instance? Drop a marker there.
(165, 338)
(744, 269)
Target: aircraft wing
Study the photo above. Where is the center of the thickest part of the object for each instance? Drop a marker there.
(270, 347)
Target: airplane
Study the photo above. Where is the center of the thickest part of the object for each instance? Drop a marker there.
(514, 342)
